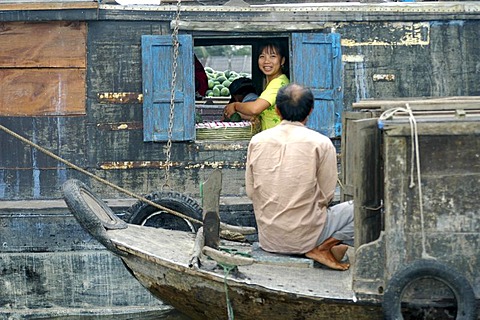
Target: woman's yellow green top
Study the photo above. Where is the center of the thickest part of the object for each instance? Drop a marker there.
(269, 118)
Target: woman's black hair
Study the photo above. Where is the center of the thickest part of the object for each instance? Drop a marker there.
(272, 45)
(280, 49)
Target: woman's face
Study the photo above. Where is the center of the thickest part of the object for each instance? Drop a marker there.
(270, 62)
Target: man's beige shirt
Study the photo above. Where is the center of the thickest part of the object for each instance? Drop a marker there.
(291, 176)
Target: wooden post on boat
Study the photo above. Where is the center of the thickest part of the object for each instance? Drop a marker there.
(211, 209)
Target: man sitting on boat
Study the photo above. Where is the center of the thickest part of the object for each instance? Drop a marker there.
(291, 177)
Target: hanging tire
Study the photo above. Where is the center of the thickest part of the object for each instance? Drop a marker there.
(92, 213)
(144, 214)
(429, 269)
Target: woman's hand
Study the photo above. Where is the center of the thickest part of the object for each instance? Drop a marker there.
(251, 108)
(229, 110)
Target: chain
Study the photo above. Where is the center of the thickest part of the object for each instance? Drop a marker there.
(176, 45)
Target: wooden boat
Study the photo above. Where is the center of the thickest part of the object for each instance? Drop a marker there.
(272, 286)
(411, 269)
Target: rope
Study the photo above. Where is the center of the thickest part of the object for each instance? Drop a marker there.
(223, 226)
(118, 188)
(227, 268)
(415, 161)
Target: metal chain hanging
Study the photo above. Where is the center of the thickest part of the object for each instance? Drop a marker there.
(176, 45)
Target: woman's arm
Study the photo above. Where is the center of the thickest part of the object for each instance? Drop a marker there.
(251, 108)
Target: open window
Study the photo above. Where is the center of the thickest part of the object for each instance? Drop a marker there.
(314, 60)
(223, 63)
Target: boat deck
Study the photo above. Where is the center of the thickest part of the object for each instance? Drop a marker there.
(281, 273)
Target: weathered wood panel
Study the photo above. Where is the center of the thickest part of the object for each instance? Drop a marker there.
(367, 180)
(8, 5)
(450, 176)
(42, 92)
(328, 12)
(114, 59)
(42, 67)
(27, 173)
(426, 59)
(191, 165)
(47, 44)
(64, 136)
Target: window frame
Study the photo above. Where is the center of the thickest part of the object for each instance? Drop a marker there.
(322, 50)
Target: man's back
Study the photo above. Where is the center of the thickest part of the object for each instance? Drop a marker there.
(291, 177)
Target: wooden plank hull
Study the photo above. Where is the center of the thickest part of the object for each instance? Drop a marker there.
(203, 298)
(159, 261)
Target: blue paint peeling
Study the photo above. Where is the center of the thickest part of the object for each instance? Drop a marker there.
(36, 170)
(61, 168)
(459, 23)
(16, 187)
(3, 184)
(361, 91)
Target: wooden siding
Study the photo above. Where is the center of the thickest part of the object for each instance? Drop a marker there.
(40, 92)
(429, 58)
(26, 172)
(53, 44)
(42, 67)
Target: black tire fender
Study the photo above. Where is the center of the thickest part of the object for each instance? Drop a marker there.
(432, 269)
(92, 213)
(142, 213)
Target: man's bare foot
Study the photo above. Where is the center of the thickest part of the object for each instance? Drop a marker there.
(326, 258)
(323, 254)
(339, 251)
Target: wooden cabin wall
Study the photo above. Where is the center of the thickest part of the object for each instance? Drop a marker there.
(394, 59)
(42, 67)
(43, 95)
(381, 60)
(115, 122)
(410, 59)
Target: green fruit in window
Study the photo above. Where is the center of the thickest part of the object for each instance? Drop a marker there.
(224, 92)
(221, 79)
(198, 118)
(235, 117)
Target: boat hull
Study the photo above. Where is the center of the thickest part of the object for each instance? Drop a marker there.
(204, 297)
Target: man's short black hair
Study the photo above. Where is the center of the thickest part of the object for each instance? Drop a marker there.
(294, 102)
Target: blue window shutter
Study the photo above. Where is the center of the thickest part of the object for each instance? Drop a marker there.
(157, 71)
(317, 64)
